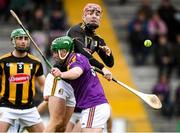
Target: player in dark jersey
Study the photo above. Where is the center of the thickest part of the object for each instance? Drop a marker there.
(87, 42)
(88, 91)
(18, 72)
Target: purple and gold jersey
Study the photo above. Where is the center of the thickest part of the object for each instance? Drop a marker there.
(88, 90)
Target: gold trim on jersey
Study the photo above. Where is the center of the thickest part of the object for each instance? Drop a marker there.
(33, 81)
(33, 57)
(12, 86)
(54, 87)
(33, 78)
(70, 61)
(6, 55)
(25, 93)
(2, 81)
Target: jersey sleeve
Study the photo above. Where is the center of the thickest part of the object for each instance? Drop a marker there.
(108, 60)
(77, 61)
(40, 70)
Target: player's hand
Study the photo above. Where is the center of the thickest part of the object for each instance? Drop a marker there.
(107, 74)
(106, 49)
(56, 72)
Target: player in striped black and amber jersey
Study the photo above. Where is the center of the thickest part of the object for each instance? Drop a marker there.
(19, 71)
(17, 80)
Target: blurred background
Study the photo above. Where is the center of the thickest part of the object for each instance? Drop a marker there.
(125, 25)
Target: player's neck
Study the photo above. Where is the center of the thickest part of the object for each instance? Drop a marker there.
(19, 54)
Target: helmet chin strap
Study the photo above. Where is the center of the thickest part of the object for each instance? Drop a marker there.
(62, 58)
(92, 26)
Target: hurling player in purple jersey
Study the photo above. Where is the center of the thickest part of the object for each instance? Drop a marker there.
(88, 90)
(88, 42)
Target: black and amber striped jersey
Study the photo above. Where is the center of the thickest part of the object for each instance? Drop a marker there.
(18, 80)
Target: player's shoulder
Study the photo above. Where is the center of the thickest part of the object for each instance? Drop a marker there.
(98, 36)
(75, 28)
(100, 39)
(77, 56)
(34, 58)
(80, 57)
(5, 56)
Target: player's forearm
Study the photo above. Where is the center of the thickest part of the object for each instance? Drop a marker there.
(72, 74)
(96, 63)
(108, 60)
